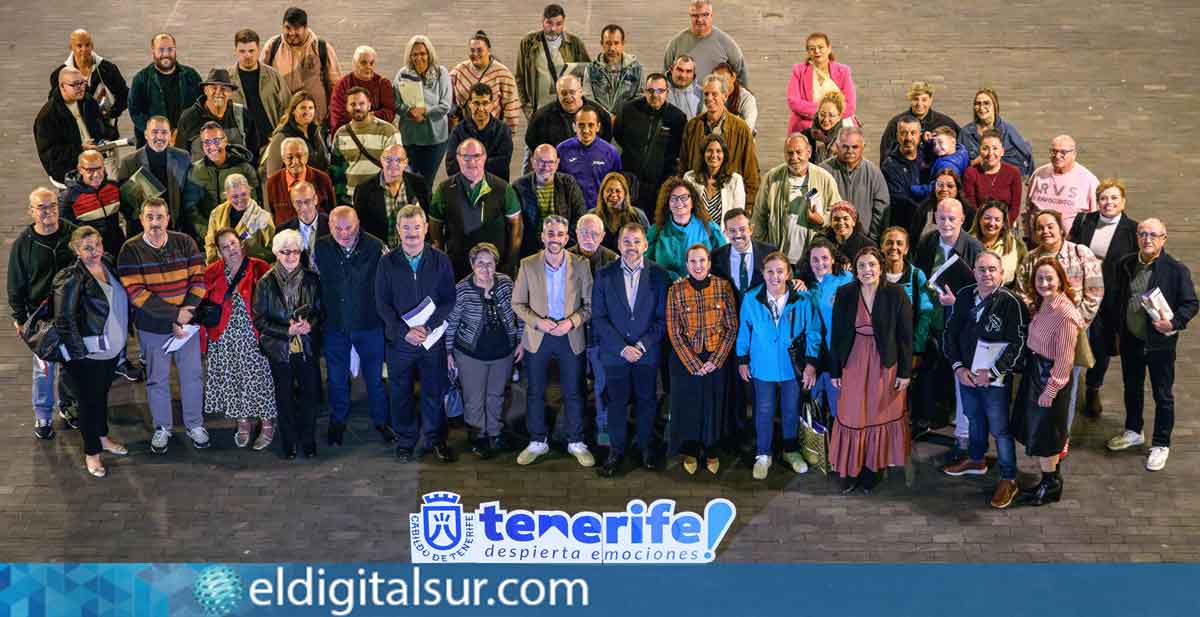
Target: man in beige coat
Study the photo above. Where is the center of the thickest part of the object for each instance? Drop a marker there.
(553, 296)
(304, 60)
(793, 202)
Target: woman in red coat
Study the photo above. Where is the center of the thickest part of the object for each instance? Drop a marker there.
(238, 381)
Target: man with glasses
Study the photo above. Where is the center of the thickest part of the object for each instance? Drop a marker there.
(68, 122)
(38, 253)
(589, 236)
(221, 160)
(164, 88)
(708, 45)
(309, 222)
(553, 296)
(1062, 185)
(649, 131)
(378, 202)
(295, 170)
(554, 123)
(106, 85)
(1149, 339)
(479, 122)
(472, 207)
(545, 191)
(93, 199)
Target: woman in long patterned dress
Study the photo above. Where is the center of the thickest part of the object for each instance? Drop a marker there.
(872, 342)
(238, 382)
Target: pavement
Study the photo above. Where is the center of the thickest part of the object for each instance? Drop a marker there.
(1120, 77)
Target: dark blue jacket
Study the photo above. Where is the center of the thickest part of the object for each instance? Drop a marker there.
(398, 290)
(613, 323)
(348, 282)
(901, 174)
(146, 97)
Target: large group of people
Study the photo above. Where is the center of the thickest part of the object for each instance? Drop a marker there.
(279, 213)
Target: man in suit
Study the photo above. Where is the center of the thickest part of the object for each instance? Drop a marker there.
(310, 222)
(740, 262)
(168, 167)
(405, 278)
(629, 300)
(588, 239)
(553, 296)
(377, 201)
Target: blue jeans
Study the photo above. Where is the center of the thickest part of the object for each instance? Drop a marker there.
(764, 412)
(987, 410)
(369, 345)
(598, 384)
(404, 365)
(570, 368)
(824, 384)
(44, 390)
(425, 160)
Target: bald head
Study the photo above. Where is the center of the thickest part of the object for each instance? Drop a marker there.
(570, 92)
(949, 220)
(43, 207)
(91, 168)
(343, 226)
(1062, 153)
(394, 159)
(545, 163)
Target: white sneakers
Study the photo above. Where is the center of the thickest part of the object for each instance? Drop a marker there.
(532, 452)
(1158, 458)
(579, 450)
(762, 465)
(1125, 440)
(1155, 461)
(158, 443)
(199, 437)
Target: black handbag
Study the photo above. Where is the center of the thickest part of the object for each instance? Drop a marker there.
(41, 336)
(796, 350)
(208, 313)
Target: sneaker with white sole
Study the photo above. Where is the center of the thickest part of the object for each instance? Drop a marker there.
(762, 465)
(1125, 440)
(199, 437)
(532, 452)
(1158, 458)
(158, 443)
(43, 429)
(580, 451)
(795, 460)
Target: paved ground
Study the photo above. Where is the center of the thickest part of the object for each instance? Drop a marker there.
(1080, 67)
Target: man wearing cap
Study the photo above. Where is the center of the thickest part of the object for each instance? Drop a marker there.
(306, 61)
(215, 105)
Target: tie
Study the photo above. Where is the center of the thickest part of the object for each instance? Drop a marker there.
(743, 275)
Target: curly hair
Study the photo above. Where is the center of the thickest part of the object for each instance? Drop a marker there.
(662, 211)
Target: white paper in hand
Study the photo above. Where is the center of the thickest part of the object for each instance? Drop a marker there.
(355, 362)
(986, 355)
(421, 313)
(174, 344)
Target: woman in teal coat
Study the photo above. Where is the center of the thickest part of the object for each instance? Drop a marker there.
(680, 221)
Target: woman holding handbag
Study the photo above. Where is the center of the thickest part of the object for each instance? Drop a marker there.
(237, 369)
(829, 272)
(773, 316)
(92, 320)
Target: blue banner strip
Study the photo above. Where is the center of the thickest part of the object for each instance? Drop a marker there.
(841, 590)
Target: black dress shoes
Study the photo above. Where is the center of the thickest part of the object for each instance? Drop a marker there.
(404, 455)
(481, 447)
(335, 434)
(648, 462)
(443, 452)
(389, 436)
(289, 453)
(310, 451)
(609, 468)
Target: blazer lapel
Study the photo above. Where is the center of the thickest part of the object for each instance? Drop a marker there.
(569, 290)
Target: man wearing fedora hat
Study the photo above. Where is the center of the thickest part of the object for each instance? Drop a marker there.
(215, 105)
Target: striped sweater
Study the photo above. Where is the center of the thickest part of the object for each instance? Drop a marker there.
(466, 322)
(160, 280)
(349, 166)
(1052, 332)
(502, 82)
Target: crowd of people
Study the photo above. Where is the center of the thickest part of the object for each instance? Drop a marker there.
(279, 213)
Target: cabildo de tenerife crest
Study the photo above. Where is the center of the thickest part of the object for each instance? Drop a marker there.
(643, 533)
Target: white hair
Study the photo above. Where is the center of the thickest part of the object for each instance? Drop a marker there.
(285, 239)
(293, 140)
(364, 49)
(592, 219)
(233, 180)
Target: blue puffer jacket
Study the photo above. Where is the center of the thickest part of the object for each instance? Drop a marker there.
(958, 161)
(762, 344)
(821, 295)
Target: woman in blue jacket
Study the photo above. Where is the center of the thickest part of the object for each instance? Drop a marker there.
(829, 272)
(680, 221)
(1017, 151)
(774, 315)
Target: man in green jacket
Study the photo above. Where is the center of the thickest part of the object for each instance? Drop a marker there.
(535, 76)
(784, 213)
(164, 88)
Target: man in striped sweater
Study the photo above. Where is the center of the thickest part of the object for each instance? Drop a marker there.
(358, 145)
(163, 273)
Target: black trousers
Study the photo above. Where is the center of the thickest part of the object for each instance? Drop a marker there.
(1135, 362)
(297, 394)
(89, 381)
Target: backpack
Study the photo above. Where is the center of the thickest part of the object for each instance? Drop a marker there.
(322, 53)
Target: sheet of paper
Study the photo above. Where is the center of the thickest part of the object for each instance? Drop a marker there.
(934, 282)
(355, 362)
(174, 344)
(434, 336)
(986, 354)
(421, 313)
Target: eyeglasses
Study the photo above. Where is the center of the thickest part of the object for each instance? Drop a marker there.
(44, 209)
(1054, 152)
(943, 185)
(395, 160)
(1150, 235)
(656, 90)
(705, 15)
(92, 170)
(470, 158)
(288, 252)
(679, 199)
(214, 143)
(77, 84)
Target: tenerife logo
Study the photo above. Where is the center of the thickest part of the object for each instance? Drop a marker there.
(654, 533)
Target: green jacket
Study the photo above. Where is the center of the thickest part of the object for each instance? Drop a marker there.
(573, 50)
(668, 247)
(211, 179)
(770, 213)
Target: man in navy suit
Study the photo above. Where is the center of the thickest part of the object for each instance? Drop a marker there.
(740, 262)
(629, 319)
(309, 221)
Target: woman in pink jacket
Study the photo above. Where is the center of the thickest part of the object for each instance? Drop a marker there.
(813, 79)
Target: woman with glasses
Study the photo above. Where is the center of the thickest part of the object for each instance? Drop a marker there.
(287, 314)
(680, 221)
(1017, 151)
(823, 134)
(424, 129)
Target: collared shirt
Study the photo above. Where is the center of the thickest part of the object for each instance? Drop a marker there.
(633, 277)
(392, 205)
(714, 129)
(414, 261)
(291, 180)
(556, 284)
(776, 306)
(308, 232)
(735, 268)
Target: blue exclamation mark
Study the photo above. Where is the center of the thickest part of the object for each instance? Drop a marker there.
(718, 518)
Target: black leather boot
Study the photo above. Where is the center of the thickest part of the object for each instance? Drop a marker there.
(1092, 408)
